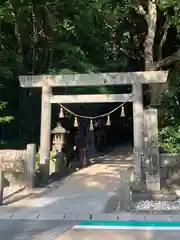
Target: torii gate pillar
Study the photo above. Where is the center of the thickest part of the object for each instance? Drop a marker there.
(138, 127)
(45, 137)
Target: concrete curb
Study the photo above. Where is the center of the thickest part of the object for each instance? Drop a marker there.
(28, 215)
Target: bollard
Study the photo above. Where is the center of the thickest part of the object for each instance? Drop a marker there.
(31, 165)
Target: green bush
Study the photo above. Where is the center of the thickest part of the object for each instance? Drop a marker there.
(170, 138)
(61, 163)
(38, 159)
(169, 134)
(4, 119)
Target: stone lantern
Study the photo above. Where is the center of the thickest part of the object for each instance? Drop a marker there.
(59, 138)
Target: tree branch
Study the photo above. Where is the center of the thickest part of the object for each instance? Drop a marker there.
(34, 40)
(166, 62)
(142, 11)
(166, 27)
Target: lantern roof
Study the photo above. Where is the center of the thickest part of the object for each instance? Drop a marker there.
(59, 129)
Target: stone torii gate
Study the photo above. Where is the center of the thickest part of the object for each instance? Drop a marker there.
(46, 82)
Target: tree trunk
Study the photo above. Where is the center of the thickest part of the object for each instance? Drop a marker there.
(149, 42)
(148, 47)
(156, 89)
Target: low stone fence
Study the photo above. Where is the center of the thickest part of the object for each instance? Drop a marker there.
(169, 163)
(17, 170)
(168, 158)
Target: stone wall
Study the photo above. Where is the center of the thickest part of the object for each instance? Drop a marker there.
(13, 162)
(170, 166)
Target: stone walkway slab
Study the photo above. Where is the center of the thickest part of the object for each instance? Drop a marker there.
(89, 191)
(86, 191)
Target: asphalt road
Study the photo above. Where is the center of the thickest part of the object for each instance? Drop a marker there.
(33, 230)
(62, 230)
(79, 234)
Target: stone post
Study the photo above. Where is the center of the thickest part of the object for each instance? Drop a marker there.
(31, 165)
(138, 127)
(151, 150)
(45, 137)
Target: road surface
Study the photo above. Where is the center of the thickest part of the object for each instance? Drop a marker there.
(33, 230)
(67, 230)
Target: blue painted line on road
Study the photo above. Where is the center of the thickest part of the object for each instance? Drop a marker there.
(128, 225)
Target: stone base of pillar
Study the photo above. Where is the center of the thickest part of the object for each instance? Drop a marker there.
(140, 192)
(149, 190)
(44, 173)
(155, 196)
(137, 186)
(153, 182)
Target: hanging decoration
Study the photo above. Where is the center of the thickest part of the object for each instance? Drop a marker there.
(91, 127)
(122, 112)
(61, 114)
(108, 123)
(75, 122)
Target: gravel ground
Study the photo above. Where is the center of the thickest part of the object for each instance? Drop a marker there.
(157, 205)
(153, 206)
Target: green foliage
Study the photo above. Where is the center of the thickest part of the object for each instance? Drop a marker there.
(170, 138)
(170, 106)
(4, 119)
(38, 159)
(51, 36)
(2, 144)
(171, 8)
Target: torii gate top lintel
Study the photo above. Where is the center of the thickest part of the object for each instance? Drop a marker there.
(93, 79)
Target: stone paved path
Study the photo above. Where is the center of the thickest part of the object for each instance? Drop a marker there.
(93, 190)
